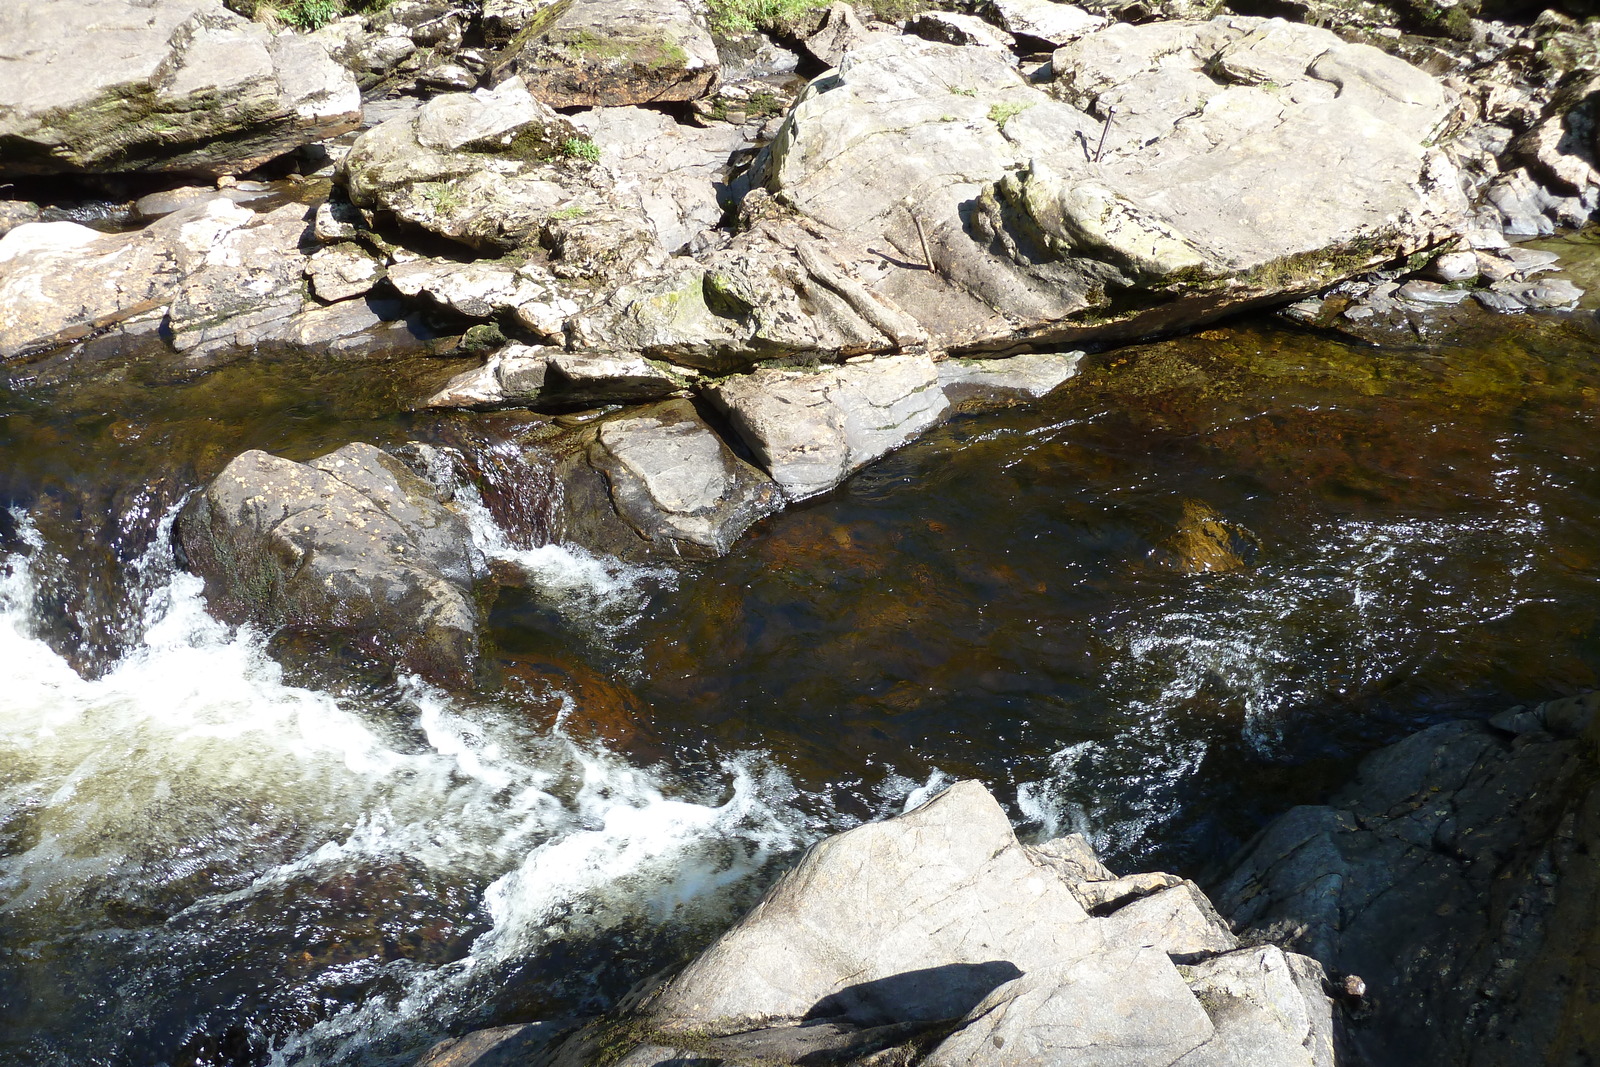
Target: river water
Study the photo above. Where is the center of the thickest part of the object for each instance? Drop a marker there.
(216, 849)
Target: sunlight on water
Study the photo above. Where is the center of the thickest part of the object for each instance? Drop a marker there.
(191, 784)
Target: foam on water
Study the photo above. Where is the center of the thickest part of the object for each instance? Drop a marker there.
(192, 782)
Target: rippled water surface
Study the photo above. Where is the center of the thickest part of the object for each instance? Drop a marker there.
(1159, 607)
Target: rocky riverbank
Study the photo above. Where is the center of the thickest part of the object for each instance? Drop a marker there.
(716, 272)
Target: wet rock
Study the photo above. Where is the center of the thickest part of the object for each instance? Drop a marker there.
(1046, 20)
(1431, 294)
(503, 1046)
(812, 429)
(1454, 876)
(675, 482)
(341, 272)
(936, 938)
(14, 213)
(971, 384)
(164, 85)
(1454, 267)
(591, 53)
(1207, 543)
(351, 543)
(1545, 293)
(513, 375)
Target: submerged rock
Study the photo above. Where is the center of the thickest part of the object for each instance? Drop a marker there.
(938, 936)
(164, 85)
(351, 543)
(1455, 877)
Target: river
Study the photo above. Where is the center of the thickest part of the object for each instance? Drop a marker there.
(218, 848)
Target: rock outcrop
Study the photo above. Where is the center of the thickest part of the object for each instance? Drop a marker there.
(1455, 876)
(351, 543)
(936, 938)
(159, 85)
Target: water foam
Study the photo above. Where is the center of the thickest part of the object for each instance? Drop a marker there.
(192, 782)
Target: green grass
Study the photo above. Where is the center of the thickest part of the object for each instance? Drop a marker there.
(444, 196)
(571, 211)
(1006, 110)
(580, 148)
(314, 14)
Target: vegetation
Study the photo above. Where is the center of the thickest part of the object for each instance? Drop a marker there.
(571, 211)
(313, 14)
(1006, 110)
(783, 16)
(444, 196)
(580, 148)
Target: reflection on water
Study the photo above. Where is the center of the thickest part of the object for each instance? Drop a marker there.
(1158, 608)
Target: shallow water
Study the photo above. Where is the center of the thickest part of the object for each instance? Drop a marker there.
(209, 857)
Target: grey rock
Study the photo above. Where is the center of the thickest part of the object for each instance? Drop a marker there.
(486, 288)
(1545, 293)
(1450, 876)
(1178, 920)
(811, 429)
(1259, 1012)
(335, 220)
(675, 482)
(673, 170)
(1120, 1006)
(513, 375)
(504, 19)
(839, 32)
(503, 1046)
(342, 271)
(589, 53)
(350, 543)
(165, 85)
(1454, 267)
(1104, 894)
(1046, 20)
(950, 27)
(982, 383)
(1431, 293)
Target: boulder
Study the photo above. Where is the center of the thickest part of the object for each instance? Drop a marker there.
(968, 203)
(551, 378)
(351, 543)
(811, 429)
(976, 384)
(1455, 878)
(497, 171)
(936, 938)
(676, 483)
(164, 85)
(594, 53)
(1049, 21)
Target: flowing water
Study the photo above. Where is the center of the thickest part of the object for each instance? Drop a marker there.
(216, 849)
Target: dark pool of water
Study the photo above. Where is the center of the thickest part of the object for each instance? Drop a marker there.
(1413, 536)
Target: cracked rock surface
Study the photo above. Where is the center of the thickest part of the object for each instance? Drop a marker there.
(1456, 877)
(937, 938)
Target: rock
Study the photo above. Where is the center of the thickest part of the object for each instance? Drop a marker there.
(915, 154)
(938, 929)
(513, 375)
(351, 543)
(504, 19)
(812, 429)
(839, 32)
(160, 85)
(1454, 876)
(14, 213)
(1454, 267)
(1431, 294)
(1207, 543)
(226, 277)
(1545, 293)
(335, 221)
(592, 53)
(498, 171)
(483, 289)
(342, 271)
(948, 27)
(673, 170)
(971, 384)
(674, 481)
(1046, 20)
(503, 1046)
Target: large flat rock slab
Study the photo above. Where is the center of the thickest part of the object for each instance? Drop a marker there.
(165, 85)
(972, 202)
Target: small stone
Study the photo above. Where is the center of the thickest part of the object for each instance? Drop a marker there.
(1454, 267)
(1431, 294)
